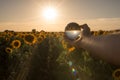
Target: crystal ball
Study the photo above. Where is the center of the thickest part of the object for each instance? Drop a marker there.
(73, 35)
(72, 31)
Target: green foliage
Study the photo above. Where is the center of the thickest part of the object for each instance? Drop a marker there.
(94, 69)
(49, 59)
(45, 64)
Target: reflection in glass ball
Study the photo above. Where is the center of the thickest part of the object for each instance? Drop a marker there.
(72, 34)
(72, 31)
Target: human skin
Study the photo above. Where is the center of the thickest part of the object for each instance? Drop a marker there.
(105, 47)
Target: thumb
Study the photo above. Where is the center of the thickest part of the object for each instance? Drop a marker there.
(85, 30)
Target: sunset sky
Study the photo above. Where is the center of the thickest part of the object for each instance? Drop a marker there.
(25, 15)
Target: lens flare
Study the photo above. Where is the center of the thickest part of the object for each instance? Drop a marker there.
(74, 71)
(70, 63)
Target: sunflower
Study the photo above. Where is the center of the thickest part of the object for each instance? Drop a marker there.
(16, 43)
(8, 50)
(71, 49)
(64, 44)
(21, 35)
(30, 39)
(116, 74)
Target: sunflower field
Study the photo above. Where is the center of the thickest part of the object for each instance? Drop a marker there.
(46, 56)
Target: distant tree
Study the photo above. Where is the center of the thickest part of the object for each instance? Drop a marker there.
(92, 32)
(100, 32)
(34, 30)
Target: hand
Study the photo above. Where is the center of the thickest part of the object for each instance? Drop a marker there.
(85, 32)
(70, 42)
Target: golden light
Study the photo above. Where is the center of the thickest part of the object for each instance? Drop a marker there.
(74, 32)
(49, 13)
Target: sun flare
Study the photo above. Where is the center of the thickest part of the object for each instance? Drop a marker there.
(49, 13)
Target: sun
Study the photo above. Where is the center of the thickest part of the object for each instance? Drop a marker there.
(49, 13)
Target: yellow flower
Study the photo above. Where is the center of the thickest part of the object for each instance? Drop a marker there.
(21, 35)
(16, 43)
(64, 44)
(8, 50)
(7, 39)
(30, 39)
(71, 49)
(116, 74)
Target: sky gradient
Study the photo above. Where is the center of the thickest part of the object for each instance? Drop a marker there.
(24, 15)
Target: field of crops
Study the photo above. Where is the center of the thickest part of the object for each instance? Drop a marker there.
(46, 56)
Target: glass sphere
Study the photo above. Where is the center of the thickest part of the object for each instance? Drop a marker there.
(72, 31)
(72, 34)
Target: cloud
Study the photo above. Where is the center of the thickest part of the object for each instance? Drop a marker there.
(94, 24)
(102, 23)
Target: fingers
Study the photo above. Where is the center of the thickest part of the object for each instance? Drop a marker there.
(71, 42)
(85, 30)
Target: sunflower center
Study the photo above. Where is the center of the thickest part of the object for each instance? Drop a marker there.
(16, 44)
(8, 50)
(29, 38)
(117, 74)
